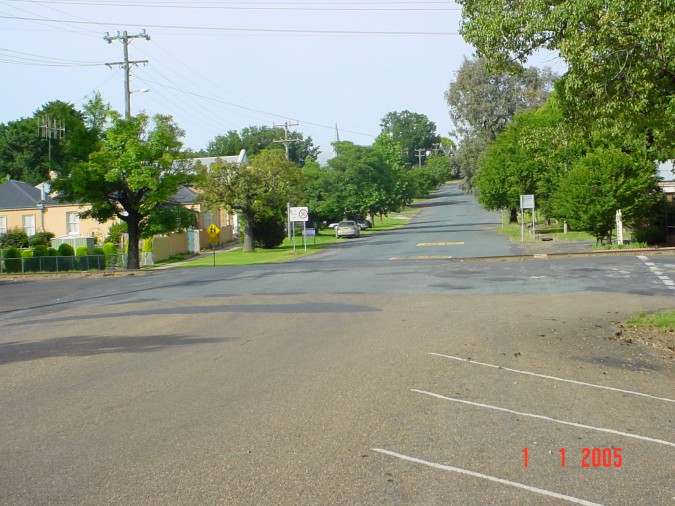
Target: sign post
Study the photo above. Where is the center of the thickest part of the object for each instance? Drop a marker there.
(526, 202)
(299, 214)
(213, 232)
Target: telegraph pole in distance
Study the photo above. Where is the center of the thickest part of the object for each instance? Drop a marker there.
(419, 153)
(51, 129)
(286, 141)
(126, 64)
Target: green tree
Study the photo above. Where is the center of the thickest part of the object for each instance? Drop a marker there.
(255, 139)
(602, 182)
(133, 176)
(411, 131)
(266, 184)
(620, 56)
(482, 103)
(526, 158)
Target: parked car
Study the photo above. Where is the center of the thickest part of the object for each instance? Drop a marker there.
(364, 224)
(347, 228)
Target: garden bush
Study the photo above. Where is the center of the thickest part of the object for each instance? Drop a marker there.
(82, 251)
(40, 251)
(66, 264)
(30, 264)
(14, 238)
(12, 260)
(40, 239)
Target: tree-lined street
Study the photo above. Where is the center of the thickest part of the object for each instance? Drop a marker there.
(367, 374)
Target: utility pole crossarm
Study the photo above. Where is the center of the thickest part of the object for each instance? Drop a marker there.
(286, 140)
(126, 64)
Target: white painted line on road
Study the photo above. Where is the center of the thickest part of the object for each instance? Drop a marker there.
(502, 481)
(548, 418)
(555, 378)
(658, 272)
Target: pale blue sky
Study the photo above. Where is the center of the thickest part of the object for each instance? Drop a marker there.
(219, 66)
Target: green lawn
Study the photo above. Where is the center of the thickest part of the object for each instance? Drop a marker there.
(664, 321)
(513, 230)
(286, 253)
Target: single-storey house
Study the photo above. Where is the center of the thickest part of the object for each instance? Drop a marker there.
(33, 210)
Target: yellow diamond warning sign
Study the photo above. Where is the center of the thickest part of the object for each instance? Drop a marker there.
(213, 232)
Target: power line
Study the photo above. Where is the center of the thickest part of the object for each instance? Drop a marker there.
(282, 31)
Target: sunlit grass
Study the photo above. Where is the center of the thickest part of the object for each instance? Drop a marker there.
(664, 320)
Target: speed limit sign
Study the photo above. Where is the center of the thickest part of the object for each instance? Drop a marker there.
(299, 214)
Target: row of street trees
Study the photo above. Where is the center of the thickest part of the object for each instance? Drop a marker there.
(130, 168)
(588, 149)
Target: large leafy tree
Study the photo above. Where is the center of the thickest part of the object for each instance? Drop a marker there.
(602, 182)
(482, 103)
(526, 158)
(255, 139)
(55, 136)
(411, 131)
(260, 189)
(133, 177)
(620, 56)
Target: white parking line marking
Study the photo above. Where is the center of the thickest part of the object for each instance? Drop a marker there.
(548, 419)
(555, 378)
(486, 477)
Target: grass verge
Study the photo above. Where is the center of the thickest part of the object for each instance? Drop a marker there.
(286, 252)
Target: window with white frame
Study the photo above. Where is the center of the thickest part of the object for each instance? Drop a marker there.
(28, 222)
(73, 223)
(3, 224)
(208, 219)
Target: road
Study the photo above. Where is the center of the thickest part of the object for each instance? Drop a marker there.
(373, 373)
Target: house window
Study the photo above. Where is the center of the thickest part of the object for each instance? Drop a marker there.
(3, 224)
(73, 223)
(208, 219)
(28, 221)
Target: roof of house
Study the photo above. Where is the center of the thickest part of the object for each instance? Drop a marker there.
(184, 195)
(20, 195)
(241, 158)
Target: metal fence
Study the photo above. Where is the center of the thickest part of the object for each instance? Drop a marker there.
(62, 263)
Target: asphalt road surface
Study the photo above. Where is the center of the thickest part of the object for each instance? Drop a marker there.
(379, 372)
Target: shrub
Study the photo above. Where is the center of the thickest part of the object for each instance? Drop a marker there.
(40, 239)
(110, 248)
(98, 251)
(268, 230)
(41, 251)
(30, 264)
(82, 251)
(52, 252)
(115, 232)
(14, 238)
(66, 250)
(12, 259)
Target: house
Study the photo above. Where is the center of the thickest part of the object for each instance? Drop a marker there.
(33, 210)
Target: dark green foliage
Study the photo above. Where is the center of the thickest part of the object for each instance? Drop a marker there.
(52, 252)
(66, 250)
(12, 260)
(41, 238)
(14, 238)
(268, 229)
(411, 131)
(40, 251)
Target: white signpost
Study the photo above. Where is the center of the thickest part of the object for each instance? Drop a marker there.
(299, 214)
(526, 202)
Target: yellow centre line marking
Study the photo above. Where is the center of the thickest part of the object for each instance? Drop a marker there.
(453, 243)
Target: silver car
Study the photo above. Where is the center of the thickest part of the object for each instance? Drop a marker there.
(347, 228)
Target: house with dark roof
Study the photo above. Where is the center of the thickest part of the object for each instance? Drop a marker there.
(33, 210)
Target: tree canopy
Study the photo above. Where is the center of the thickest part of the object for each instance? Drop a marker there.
(133, 177)
(411, 131)
(620, 56)
(255, 139)
(263, 187)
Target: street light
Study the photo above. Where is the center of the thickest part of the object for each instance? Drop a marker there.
(128, 105)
